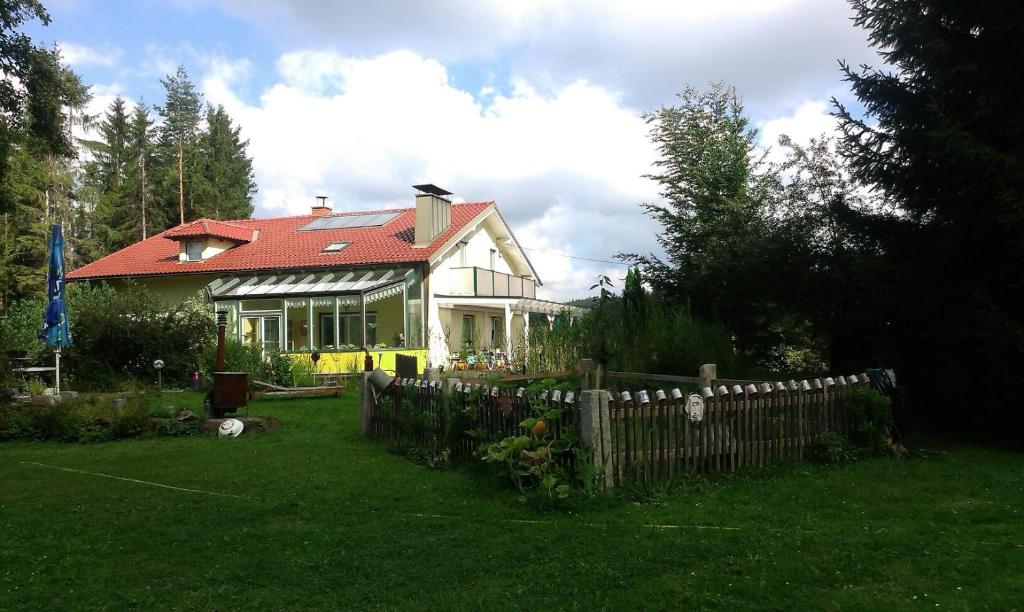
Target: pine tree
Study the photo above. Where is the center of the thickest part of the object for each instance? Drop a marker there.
(179, 138)
(227, 170)
(141, 156)
(942, 138)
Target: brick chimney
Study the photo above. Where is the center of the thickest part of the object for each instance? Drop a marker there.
(433, 213)
(321, 209)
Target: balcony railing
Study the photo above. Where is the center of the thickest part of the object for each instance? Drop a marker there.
(480, 282)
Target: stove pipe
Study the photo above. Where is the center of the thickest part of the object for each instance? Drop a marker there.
(222, 323)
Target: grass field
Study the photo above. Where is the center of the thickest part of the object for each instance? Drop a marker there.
(313, 516)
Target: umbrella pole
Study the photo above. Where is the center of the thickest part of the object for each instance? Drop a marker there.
(58, 370)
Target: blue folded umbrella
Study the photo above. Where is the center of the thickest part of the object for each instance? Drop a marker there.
(55, 324)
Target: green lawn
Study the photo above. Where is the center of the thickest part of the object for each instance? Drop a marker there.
(324, 519)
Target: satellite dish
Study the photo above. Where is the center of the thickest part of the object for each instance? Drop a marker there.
(230, 428)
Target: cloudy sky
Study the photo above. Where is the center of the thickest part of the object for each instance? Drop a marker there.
(536, 104)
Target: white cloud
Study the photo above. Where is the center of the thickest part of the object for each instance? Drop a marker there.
(565, 167)
(81, 55)
(809, 120)
(774, 51)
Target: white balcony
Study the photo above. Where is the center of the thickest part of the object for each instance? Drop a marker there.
(480, 282)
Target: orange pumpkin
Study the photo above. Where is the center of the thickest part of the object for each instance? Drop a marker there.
(540, 428)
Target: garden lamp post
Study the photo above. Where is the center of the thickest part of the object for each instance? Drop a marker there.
(158, 365)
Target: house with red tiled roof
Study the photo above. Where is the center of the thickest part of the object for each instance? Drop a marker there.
(436, 280)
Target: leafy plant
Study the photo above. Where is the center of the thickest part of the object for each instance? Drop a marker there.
(35, 386)
(831, 449)
(871, 418)
(530, 461)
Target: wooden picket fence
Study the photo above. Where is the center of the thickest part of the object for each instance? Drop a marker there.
(654, 436)
(638, 435)
(416, 411)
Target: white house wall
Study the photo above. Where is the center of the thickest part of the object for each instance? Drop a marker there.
(477, 253)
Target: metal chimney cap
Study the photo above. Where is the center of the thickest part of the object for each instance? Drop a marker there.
(432, 189)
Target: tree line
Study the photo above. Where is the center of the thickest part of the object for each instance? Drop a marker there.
(109, 180)
(899, 244)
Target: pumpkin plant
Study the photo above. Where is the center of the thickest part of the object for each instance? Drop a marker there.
(530, 460)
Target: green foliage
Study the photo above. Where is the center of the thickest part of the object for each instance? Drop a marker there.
(940, 138)
(117, 334)
(228, 184)
(871, 417)
(35, 92)
(35, 386)
(302, 373)
(671, 340)
(92, 419)
(831, 449)
(264, 365)
(532, 461)
(553, 349)
(771, 251)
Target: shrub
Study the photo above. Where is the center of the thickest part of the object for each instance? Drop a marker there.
(89, 420)
(831, 449)
(267, 366)
(117, 334)
(871, 420)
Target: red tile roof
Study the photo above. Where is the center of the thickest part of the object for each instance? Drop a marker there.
(278, 245)
(209, 227)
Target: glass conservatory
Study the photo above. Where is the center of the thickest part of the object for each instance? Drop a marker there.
(327, 312)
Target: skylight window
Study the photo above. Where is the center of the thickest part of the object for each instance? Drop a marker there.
(334, 247)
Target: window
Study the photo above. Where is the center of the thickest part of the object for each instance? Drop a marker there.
(334, 247)
(462, 254)
(494, 252)
(194, 251)
(371, 329)
(326, 330)
(348, 328)
(497, 332)
(468, 324)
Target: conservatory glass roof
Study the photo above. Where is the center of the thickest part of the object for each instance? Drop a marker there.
(262, 285)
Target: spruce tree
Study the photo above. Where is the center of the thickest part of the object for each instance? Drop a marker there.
(229, 185)
(105, 177)
(941, 138)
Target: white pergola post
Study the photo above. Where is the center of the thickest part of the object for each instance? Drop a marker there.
(507, 340)
(405, 313)
(337, 322)
(309, 322)
(362, 319)
(284, 324)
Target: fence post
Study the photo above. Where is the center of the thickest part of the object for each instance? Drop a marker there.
(365, 403)
(447, 386)
(596, 432)
(708, 373)
(586, 367)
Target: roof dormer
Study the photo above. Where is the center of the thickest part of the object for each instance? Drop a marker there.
(200, 240)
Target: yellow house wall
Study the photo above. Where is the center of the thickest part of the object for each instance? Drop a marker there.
(171, 289)
(343, 362)
(389, 318)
